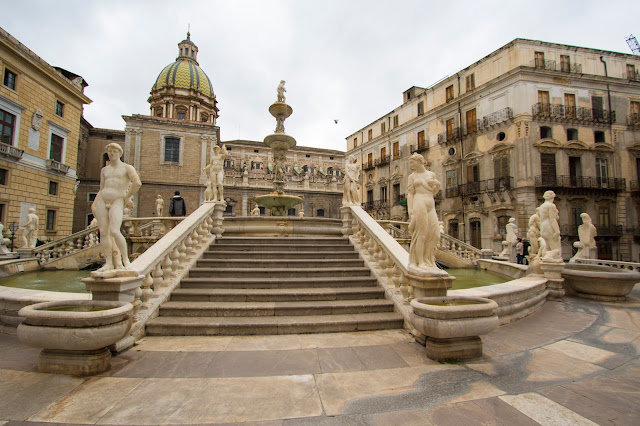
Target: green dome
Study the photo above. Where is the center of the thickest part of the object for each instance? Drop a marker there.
(184, 74)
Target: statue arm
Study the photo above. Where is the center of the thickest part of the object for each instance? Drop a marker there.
(135, 182)
(410, 191)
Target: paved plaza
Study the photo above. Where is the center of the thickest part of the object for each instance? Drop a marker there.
(569, 363)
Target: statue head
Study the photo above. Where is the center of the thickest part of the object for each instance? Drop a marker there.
(512, 219)
(32, 210)
(585, 218)
(417, 159)
(549, 195)
(114, 147)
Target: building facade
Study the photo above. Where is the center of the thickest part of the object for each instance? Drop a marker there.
(529, 117)
(40, 113)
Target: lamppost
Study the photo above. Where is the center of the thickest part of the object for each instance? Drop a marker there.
(13, 227)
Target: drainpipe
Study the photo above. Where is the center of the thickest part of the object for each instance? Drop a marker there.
(464, 223)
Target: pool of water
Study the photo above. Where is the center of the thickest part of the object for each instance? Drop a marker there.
(469, 278)
(64, 281)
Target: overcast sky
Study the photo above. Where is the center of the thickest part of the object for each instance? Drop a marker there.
(342, 60)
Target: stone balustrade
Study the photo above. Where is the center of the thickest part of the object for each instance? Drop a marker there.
(64, 247)
(631, 266)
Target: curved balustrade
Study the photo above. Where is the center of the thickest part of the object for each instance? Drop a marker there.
(612, 263)
(74, 243)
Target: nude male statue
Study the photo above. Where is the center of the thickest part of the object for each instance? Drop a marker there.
(216, 172)
(30, 229)
(118, 182)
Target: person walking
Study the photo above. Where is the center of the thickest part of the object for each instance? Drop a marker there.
(177, 206)
(519, 251)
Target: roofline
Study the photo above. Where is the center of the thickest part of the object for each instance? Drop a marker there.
(295, 148)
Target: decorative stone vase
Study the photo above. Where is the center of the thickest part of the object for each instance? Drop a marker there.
(599, 282)
(74, 334)
(453, 324)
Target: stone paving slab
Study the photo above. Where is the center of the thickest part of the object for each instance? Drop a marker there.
(575, 362)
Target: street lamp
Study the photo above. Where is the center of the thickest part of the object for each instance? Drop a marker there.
(13, 227)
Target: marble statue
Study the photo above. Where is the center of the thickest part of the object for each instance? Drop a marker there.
(279, 170)
(423, 219)
(255, 211)
(281, 90)
(549, 227)
(118, 182)
(34, 131)
(301, 213)
(533, 234)
(208, 192)
(128, 207)
(351, 185)
(3, 241)
(93, 236)
(159, 206)
(36, 120)
(512, 231)
(30, 229)
(587, 245)
(216, 172)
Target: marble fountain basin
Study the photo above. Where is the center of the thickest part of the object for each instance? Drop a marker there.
(452, 324)
(74, 334)
(599, 282)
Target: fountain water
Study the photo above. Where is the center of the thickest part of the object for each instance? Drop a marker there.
(279, 142)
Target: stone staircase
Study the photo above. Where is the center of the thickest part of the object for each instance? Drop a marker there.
(276, 285)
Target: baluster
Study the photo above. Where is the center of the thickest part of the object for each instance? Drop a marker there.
(79, 243)
(175, 259)
(182, 251)
(167, 267)
(396, 275)
(157, 276)
(404, 288)
(147, 281)
(373, 253)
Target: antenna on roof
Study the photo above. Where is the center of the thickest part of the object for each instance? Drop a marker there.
(633, 44)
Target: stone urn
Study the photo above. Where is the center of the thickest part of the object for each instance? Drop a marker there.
(74, 334)
(599, 282)
(453, 324)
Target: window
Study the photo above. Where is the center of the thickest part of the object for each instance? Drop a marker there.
(9, 79)
(396, 192)
(59, 109)
(330, 158)
(421, 139)
(88, 219)
(421, 108)
(470, 82)
(599, 136)
(597, 107)
(53, 188)
(181, 116)
(383, 193)
(539, 59)
(634, 117)
(453, 228)
(370, 159)
(370, 134)
(370, 196)
(291, 212)
(449, 93)
(631, 72)
(572, 134)
(543, 103)
(449, 124)
(57, 145)
(383, 128)
(452, 178)
(91, 196)
(602, 172)
(257, 151)
(548, 168)
(570, 105)
(51, 220)
(545, 132)
(4, 176)
(308, 155)
(502, 224)
(473, 173)
(171, 150)
(501, 172)
(320, 213)
(604, 216)
(330, 171)
(355, 142)
(396, 150)
(263, 211)
(471, 121)
(383, 152)
(395, 121)
(575, 171)
(7, 126)
(565, 63)
(305, 168)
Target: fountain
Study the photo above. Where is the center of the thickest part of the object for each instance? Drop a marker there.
(279, 142)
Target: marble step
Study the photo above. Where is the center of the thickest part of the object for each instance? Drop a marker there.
(264, 282)
(283, 240)
(263, 309)
(273, 254)
(229, 326)
(275, 294)
(277, 248)
(257, 262)
(310, 273)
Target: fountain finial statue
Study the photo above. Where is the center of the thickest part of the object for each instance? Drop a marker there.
(281, 90)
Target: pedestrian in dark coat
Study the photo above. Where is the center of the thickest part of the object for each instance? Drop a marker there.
(177, 206)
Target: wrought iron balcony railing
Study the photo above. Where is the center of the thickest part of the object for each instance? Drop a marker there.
(449, 137)
(368, 165)
(375, 205)
(57, 166)
(563, 113)
(419, 147)
(633, 120)
(452, 192)
(571, 68)
(568, 230)
(634, 76)
(634, 186)
(544, 64)
(497, 117)
(11, 151)
(488, 185)
(382, 161)
(610, 231)
(586, 182)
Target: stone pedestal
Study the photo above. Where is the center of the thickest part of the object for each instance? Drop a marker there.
(486, 253)
(429, 285)
(25, 253)
(118, 288)
(347, 220)
(460, 348)
(75, 363)
(552, 270)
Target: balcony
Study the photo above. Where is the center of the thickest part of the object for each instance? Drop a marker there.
(420, 147)
(382, 161)
(633, 120)
(488, 185)
(581, 183)
(610, 231)
(452, 191)
(449, 137)
(494, 119)
(571, 68)
(633, 76)
(375, 205)
(543, 64)
(561, 113)
(11, 151)
(368, 165)
(56, 166)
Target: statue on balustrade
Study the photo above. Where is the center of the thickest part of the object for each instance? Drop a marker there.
(216, 172)
(351, 182)
(533, 234)
(30, 229)
(549, 226)
(424, 225)
(512, 231)
(118, 182)
(159, 205)
(587, 245)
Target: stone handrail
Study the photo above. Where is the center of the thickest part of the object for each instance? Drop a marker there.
(82, 240)
(150, 226)
(612, 263)
(165, 263)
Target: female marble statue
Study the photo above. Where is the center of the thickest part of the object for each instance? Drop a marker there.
(159, 205)
(512, 231)
(281, 90)
(549, 227)
(587, 233)
(423, 219)
(534, 233)
(351, 187)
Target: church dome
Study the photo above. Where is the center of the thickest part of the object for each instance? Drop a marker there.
(184, 74)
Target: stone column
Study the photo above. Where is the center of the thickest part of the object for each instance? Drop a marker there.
(347, 220)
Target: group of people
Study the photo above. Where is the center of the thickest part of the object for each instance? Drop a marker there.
(522, 251)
